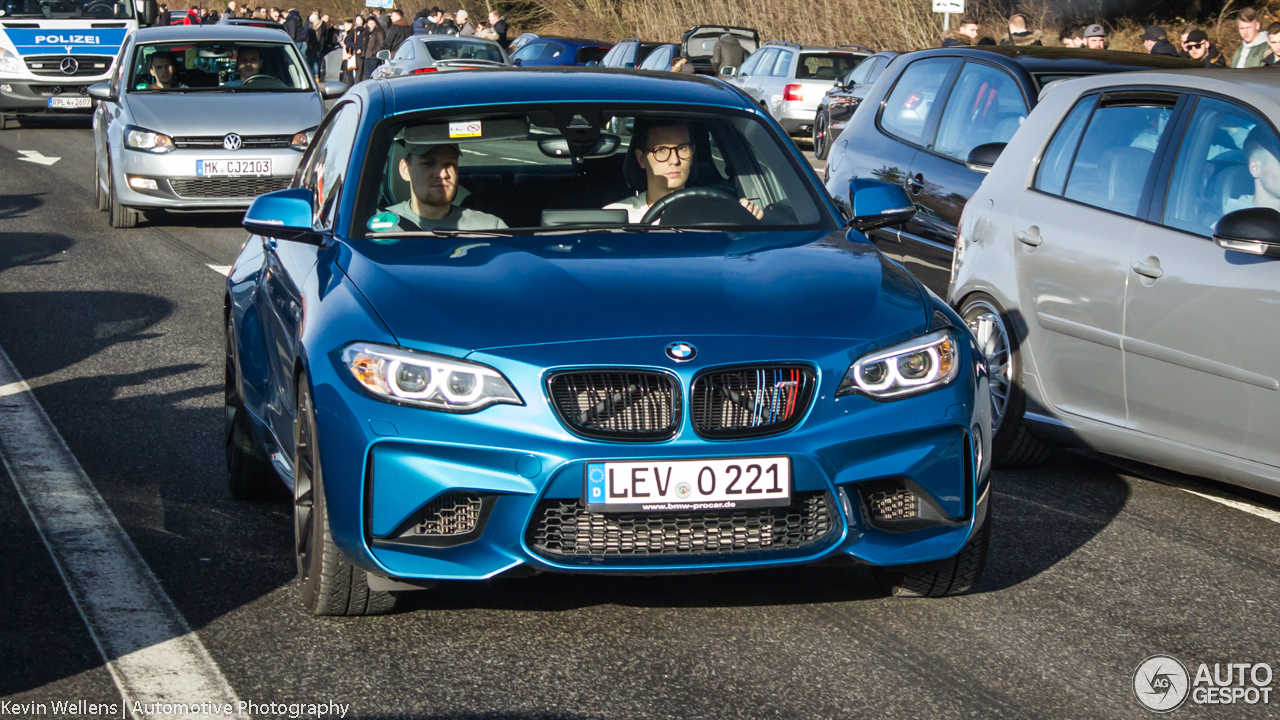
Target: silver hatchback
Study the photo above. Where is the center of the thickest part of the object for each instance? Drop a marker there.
(789, 80)
(1121, 266)
(201, 118)
(421, 54)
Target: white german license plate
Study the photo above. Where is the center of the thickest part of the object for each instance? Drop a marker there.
(250, 167)
(70, 102)
(648, 485)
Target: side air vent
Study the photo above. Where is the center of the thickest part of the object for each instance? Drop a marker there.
(454, 518)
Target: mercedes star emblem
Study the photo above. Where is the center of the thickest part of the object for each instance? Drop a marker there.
(681, 352)
(69, 66)
(231, 142)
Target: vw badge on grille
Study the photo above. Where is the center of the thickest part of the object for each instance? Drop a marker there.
(69, 66)
(681, 352)
(231, 142)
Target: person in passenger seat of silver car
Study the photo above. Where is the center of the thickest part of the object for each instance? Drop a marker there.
(665, 151)
(1263, 158)
(432, 174)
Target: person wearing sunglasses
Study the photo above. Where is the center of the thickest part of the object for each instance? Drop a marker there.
(665, 151)
(1199, 48)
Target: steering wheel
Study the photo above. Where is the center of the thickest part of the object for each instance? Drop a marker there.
(102, 8)
(263, 81)
(703, 206)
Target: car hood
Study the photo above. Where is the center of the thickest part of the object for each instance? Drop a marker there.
(465, 294)
(219, 113)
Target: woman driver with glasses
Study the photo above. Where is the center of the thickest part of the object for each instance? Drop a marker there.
(667, 159)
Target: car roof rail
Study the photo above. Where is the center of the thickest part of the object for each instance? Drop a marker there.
(859, 47)
(784, 43)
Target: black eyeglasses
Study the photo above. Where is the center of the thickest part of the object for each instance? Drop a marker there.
(662, 153)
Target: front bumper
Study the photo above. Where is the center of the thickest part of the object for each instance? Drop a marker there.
(384, 463)
(179, 188)
(32, 97)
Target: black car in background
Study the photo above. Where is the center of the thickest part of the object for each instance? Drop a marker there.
(931, 110)
(837, 106)
(628, 54)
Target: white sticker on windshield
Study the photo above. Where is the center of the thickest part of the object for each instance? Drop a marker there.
(471, 128)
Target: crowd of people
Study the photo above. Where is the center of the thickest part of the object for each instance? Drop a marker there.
(360, 38)
(1258, 48)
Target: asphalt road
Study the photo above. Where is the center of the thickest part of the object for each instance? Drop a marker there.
(1093, 566)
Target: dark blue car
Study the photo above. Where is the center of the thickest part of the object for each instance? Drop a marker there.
(559, 51)
(482, 336)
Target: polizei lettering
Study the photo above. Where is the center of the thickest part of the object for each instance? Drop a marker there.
(68, 40)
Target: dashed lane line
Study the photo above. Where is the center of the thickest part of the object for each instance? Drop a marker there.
(152, 654)
(220, 269)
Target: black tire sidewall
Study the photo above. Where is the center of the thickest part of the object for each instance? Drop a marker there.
(319, 520)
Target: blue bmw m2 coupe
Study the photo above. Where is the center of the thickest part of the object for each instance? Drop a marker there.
(586, 321)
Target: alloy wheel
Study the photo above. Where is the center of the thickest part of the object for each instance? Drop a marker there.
(304, 470)
(819, 135)
(993, 341)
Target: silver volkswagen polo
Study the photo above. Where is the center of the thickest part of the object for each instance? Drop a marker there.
(201, 118)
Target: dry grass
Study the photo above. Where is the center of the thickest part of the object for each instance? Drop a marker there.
(878, 24)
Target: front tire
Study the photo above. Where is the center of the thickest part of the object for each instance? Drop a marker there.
(1013, 444)
(952, 577)
(820, 144)
(330, 584)
(121, 216)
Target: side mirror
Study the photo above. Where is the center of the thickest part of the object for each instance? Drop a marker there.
(284, 214)
(100, 91)
(150, 12)
(982, 157)
(593, 63)
(728, 71)
(332, 89)
(383, 55)
(517, 62)
(1255, 231)
(875, 204)
(629, 66)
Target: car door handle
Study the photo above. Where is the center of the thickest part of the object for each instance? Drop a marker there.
(1030, 237)
(915, 184)
(1152, 271)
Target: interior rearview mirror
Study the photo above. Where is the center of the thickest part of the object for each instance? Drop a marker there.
(383, 55)
(982, 157)
(875, 204)
(283, 214)
(1255, 231)
(559, 147)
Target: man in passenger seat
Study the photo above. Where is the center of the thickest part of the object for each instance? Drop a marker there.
(665, 151)
(1260, 152)
(432, 174)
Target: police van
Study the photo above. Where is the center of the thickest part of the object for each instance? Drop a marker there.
(51, 51)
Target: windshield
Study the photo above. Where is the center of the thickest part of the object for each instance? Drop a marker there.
(218, 67)
(98, 9)
(464, 50)
(578, 167)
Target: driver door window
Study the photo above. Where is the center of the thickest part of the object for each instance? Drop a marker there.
(985, 106)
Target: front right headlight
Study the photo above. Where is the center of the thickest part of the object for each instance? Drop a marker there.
(427, 380)
(910, 368)
(137, 138)
(9, 63)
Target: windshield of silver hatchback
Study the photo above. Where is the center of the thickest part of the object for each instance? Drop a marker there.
(217, 67)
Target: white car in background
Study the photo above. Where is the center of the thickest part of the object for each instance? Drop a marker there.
(789, 80)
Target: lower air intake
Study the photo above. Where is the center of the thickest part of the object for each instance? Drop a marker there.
(227, 187)
(449, 515)
(893, 505)
(564, 529)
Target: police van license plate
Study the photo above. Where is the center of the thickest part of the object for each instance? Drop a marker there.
(249, 167)
(649, 485)
(70, 102)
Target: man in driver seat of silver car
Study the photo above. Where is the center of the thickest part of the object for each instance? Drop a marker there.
(248, 64)
(667, 159)
(432, 174)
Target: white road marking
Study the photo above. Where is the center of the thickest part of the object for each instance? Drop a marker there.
(150, 651)
(220, 269)
(526, 162)
(34, 156)
(1258, 510)
(473, 152)
(1189, 485)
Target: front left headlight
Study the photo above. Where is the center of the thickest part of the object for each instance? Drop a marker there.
(910, 368)
(301, 140)
(9, 63)
(137, 138)
(427, 380)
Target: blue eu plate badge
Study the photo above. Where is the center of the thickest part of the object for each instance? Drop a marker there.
(595, 483)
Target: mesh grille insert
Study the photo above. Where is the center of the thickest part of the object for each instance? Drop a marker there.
(227, 187)
(448, 515)
(564, 528)
(893, 505)
(751, 401)
(635, 406)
